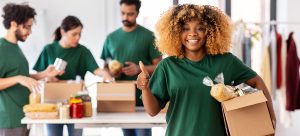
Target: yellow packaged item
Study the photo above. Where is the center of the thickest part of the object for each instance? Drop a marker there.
(115, 66)
(34, 97)
(40, 108)
(42, 115)
(222, 93)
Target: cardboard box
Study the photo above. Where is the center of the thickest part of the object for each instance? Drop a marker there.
(60, 91)
(116, 97)
(247, 115)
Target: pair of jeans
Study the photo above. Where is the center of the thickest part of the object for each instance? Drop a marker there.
(137, 132)
(57, 130)
(20, 131)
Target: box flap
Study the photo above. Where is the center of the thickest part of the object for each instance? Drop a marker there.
(244, 101)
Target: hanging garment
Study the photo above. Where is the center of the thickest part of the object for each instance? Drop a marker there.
(273, 56)
(292, 76)
(284, 115)
(257, 50)
(237, 39)
(266, 68)
(279, 66)
(247, 51)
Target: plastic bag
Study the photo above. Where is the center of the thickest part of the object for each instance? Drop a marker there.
(220, 91)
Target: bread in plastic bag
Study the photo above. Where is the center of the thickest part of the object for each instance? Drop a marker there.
(40, 108)
(222, 93)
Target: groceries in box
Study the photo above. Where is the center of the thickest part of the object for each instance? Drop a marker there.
(222, 92)
(242, 107)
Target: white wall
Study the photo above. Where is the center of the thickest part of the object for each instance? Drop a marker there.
(99, 18)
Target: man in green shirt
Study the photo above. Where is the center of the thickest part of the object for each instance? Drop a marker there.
(15, 80)
(130, 44)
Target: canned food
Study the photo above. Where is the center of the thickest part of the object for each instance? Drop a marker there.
(60, 64)
(64, 112)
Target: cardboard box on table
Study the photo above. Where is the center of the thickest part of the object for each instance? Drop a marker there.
(247, 115)
(60, 91)
(116, 97)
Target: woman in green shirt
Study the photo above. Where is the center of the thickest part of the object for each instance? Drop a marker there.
(79, 60)
(197, 40)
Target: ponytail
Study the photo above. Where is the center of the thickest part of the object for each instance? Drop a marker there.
(57, 34)
(69, 23)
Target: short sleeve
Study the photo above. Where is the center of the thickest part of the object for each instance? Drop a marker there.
(90, 62)
(154, 53)
(240, 72)
(2, 65)
(105, 51)
(158, 86)
(42, 62)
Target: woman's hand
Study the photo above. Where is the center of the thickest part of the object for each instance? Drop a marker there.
(52, 72)
(143, 78)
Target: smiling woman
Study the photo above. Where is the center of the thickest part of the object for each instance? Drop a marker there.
(193, 38)
(197, 40)
(218, 29)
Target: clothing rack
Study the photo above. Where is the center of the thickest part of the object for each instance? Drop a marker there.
(272, 23)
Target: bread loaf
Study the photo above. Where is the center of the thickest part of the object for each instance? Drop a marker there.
(115, 66)
(39, 108)
(222, 93)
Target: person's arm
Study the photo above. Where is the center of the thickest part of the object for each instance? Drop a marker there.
(258, 83)
(28, 82)
(133, 69)
(112, 74)
(150, 68)
(150, 102)
(104, 73)
(49, 72)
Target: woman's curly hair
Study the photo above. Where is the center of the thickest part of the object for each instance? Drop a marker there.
(218, 29)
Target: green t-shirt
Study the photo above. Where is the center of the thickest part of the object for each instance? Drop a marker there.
(192, 110)
(79, 59)
(12, 99)
(134, 46)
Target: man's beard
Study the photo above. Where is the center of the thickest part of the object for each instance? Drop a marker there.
(19, 36)
(128, 24)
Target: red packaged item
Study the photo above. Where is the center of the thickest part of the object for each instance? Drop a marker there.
(76, 108)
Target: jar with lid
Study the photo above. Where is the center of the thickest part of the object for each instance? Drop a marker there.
(64, 112)
(34, 97)
(87, 104)
(76, 108)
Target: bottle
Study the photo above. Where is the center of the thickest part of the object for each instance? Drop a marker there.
(64, 112)
(34, 97)
(87, 104)
(76, 108)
